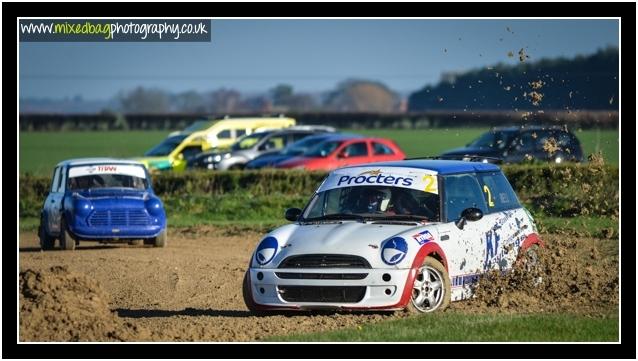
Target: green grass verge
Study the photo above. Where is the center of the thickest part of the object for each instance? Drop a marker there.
(40, 151)
(460, 327)
(600, 227)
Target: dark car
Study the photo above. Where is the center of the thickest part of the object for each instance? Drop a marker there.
(251, 146)
(293, 150)
(101, 199)
(518, 144)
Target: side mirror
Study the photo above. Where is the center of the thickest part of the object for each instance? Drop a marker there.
(469, 214)
(292, 214)
(343, 155)
(180, 156)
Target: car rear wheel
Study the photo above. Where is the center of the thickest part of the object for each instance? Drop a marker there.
(160, 240)
(46, 241)
(67, 242)
(431, 290)
(530, 263)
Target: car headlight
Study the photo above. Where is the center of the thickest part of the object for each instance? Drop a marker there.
(266, 250)
(82, 206)
(215, 158)
(154, 206)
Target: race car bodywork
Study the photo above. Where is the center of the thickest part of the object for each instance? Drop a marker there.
(101, 199)
(388, 236)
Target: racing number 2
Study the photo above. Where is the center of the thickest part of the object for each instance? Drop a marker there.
(490, 202)
(430, 184)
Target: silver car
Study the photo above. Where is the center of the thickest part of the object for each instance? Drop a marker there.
(251, 146)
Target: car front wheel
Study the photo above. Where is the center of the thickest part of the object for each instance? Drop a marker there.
(431, 290)
(66, 241)
(160, 240)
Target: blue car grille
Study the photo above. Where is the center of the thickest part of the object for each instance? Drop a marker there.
(119, 217)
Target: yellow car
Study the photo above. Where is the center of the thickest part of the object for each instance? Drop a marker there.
(175, 151)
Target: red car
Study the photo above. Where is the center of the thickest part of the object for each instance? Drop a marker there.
(343, 150)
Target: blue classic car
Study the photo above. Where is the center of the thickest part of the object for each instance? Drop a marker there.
(101, 199)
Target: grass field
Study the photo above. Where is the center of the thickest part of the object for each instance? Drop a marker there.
(461, 327)
(40, 151)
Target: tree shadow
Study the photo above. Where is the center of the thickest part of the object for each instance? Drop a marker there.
(189, 311)
(84, 248)
(142, 313)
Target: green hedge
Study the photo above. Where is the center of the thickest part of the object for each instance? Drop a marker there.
(559, 190)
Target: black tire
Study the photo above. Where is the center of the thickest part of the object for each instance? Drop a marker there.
(67, 242)
(248, 296)
(161, 239)
(437, 275)
(47, 242)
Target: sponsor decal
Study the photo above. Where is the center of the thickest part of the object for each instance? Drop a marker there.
(123, 169)
(423, 237)
(266, 250)
(394, 251)
(374, 178)
(420, 179)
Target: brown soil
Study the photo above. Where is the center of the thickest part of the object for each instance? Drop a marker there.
(59, 305)
(191, 290)
(572, 274)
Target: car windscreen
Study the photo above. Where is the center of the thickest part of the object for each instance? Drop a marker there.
(248, 141)
(107, 176)
(493, 139)
(323, 149)
(199, 125)
(373, 202)
(299, 147)
(166, 147)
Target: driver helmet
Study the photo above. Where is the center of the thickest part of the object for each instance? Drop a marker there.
(377, 200)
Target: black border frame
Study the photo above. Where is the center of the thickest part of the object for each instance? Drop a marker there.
(626, 11)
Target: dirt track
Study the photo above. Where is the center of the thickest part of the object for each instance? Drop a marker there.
(191, 290)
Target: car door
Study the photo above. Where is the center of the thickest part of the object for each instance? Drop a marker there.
(510, 223)
(468, 246)
(353, 153)
(53, 207)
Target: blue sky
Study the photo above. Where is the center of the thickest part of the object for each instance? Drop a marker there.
(311, 55)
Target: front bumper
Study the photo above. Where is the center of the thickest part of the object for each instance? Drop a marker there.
(81, 228)
(85, 232)
(268, 289)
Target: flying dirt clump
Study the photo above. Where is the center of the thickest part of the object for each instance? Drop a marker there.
(535, 95)
(535, 98)
(550, 146)
(563, 279)
(58, 305)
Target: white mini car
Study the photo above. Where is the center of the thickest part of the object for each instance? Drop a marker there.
(411, 234)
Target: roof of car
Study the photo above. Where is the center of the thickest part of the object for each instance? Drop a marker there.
(81, 161)
(343, 136)
(528, 128)
(442, 167)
